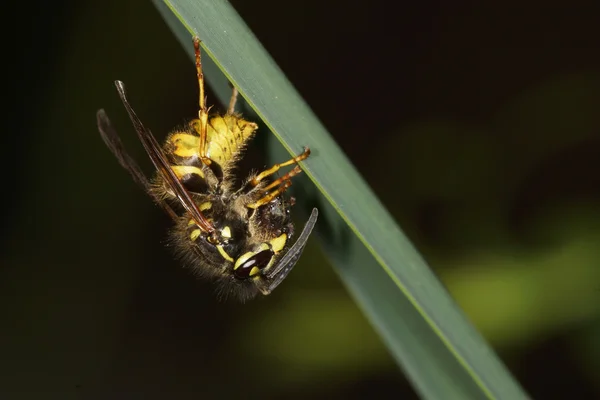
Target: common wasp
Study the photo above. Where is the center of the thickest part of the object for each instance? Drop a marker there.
(238, 235)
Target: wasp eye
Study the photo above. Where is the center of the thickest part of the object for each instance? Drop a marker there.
(253, 265)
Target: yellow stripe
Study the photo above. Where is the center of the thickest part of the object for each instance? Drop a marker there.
(183, 170)
(278, 243)
(224, 254)
(186, 145)
(226, 232)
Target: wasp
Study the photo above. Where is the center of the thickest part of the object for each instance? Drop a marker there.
(238, 235)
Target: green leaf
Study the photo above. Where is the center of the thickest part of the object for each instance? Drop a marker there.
(439, 350)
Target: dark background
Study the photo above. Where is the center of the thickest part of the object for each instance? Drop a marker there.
(478, 126)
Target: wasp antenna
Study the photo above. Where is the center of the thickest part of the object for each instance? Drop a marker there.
(289, 260)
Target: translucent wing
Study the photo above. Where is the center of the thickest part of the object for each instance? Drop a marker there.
(162, 165)
(113, 142)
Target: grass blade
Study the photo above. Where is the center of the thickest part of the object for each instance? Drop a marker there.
(440, 351)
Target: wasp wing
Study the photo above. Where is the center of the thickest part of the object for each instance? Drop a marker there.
(113, 142)
(162, 165)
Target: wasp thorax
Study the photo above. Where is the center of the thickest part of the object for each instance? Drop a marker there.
(253, 265)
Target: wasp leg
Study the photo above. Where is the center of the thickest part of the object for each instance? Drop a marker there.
(282, 179)
(270, 196)
(232, 101)
(283, 182)
(203, 113)
(256, 180)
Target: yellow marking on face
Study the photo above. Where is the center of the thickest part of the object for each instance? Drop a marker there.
(226, 232)
(278, 243)
(183, 170)
(224, 254)
(186, 145)
(254, 271)
(195, 233)
(244, 257)
(205, 206)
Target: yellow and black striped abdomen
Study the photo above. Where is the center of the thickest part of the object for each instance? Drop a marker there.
(226, 136)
